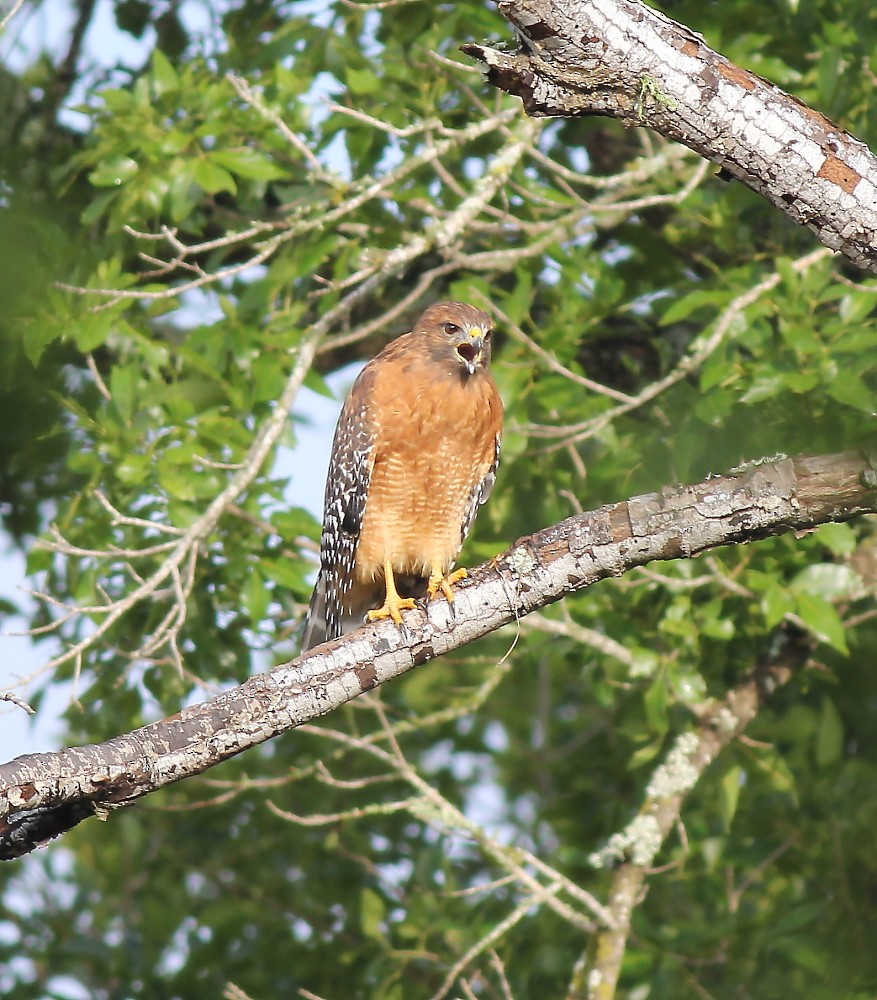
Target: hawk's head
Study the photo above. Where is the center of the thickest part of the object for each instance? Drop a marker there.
(463, 329)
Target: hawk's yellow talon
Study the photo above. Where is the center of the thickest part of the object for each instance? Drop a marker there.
(391, 609)
(393, 605)
(440, 582)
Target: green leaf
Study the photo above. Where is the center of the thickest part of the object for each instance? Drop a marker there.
(256, 595)
(731, 784)
(123, 389)
(850, 390)
(287, 573)
(799, 917)
(362, 81)
(91, 330)
(295, 521)
(683, 307)
(38, 561)
(246, 162)
(211, 177)
(779, 775)
(177, 482)
(98, 207)
(182, 453)
(114, 172)
(371, 913)
(822, 620)
(134, 469)
(830, 581)
(763, 388)
(801, 336)
(164, 77)
(717, 623)
(800, 381)
(183, 193)
(646, 754)
(777, 602)
(840, 539)
(37, 334)
(267, 378)
(517, 303)
(855, 306)
(829, 735)
(656, 702)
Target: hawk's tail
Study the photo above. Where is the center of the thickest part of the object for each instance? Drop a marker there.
(316, 625)
(329, 617)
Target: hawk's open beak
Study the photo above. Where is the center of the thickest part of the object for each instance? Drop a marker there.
(470, 349)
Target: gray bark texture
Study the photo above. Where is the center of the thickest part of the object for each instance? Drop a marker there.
(44, 795)
(621, 59)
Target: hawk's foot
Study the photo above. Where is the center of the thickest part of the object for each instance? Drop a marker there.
(441, 582)
(393, 608)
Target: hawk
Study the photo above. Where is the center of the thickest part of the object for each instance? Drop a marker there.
(414, 456)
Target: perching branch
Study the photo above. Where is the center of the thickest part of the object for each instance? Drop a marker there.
(44, 795)
(621, 59)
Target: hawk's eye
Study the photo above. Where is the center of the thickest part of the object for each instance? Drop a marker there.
(488, 334)
(451, 329)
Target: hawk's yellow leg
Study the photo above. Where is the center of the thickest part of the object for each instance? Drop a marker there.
(394, 605)
(439, 582)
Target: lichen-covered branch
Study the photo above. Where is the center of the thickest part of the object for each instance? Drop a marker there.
(635, 848)
(44, 795)
(622, 59)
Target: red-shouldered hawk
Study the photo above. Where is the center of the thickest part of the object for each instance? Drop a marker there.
(414, 456)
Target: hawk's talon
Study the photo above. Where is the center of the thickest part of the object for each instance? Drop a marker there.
(441, 582)
(392, 609)
(393, 605)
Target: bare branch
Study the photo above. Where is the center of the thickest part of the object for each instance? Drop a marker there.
(555, 366)
(492, 936)
(359, 193)
(430, 807)
(585, 636)
(42, 795)
(13, 10)
(11, 696)
(96, 375)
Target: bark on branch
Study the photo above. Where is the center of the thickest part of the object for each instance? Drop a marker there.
(624, 60)
(44, 795)
(719, 724)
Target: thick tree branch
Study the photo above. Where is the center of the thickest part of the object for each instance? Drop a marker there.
(624, 60)
(44, 795)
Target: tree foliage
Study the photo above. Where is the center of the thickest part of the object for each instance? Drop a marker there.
(257, 206)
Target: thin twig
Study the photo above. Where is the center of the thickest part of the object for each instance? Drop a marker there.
(249, 96)
(13, 698)
(704, 347)
(492, 936)
(16, 7)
